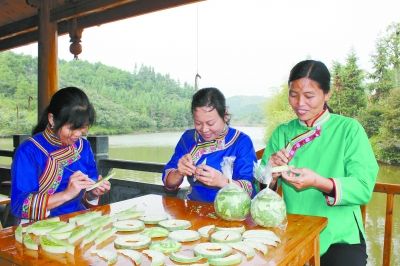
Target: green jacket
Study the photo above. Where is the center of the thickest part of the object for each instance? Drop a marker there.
(341, 152)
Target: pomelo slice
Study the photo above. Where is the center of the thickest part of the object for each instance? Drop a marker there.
(233, 259)
(100, 182)
(175, 224)
(153, 218)
(84, 218)
(182, 258)
(239, 229)
(133, 254)
(51, 246)
(92, 236)
(166, 246)
(154, 232)
(157, 258)
(136, 241)
(184, 235)
(206, 231)
(43, 227)
(261, 233)
(256, 245)
(109, 255)
(226, 237)
(104, 235)
(78, 233)
(127, 215)
(29, 243)
(243, 247)
(212, 250)
(18, 234)
(129, 225)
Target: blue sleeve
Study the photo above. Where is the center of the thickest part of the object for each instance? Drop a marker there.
(244, 162)
(181, 149)
(90, 162)
(26, 167)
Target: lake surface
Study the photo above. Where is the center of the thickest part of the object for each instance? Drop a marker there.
(158, 147)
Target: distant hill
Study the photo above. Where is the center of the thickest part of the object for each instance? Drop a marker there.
(247, 110)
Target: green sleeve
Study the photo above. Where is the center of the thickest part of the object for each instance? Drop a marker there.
(361, 169)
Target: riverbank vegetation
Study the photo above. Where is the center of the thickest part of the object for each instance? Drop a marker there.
(373, 98)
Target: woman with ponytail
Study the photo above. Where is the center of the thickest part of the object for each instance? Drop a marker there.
(332, 168)
(52, 169)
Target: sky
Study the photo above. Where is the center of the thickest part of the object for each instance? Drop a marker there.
(242, 47)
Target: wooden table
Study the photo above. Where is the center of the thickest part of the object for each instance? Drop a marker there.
(300, 240)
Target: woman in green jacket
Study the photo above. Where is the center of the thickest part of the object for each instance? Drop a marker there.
(332, 166)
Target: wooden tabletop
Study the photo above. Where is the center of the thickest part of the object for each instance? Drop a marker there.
(300, 240)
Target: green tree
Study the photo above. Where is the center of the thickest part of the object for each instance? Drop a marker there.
(277, 111)
(348, 94)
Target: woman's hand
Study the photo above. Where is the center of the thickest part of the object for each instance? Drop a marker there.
(210, 176)
(103, 188)
(301, 178)
(186, 166)
(77, 182)
(279, 158)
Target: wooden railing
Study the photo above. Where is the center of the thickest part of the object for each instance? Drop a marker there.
(391, 190)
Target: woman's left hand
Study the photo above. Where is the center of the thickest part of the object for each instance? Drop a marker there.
(103, 188)
(300, 178)
(210, 176)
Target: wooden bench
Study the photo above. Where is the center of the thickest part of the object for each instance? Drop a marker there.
(391, 190)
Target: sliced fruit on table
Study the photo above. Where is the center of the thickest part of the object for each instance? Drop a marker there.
(18, 234)
(239, 229)
(265, 241)
(52, 246)
(153, 218)
(43, 227)
(243, 247)
(226, 237)
(184, 235)
(78, 233)
(61, 235)
(184, 257)
(132, 254)
(256, 245)
(85, 217)
(127, 214)
(92, 236)
(69, 247)
(104, 235)
(175, 224)
(206, 231)
(212, 250)
(128, 225)
(101, 221)
(29, 243)
(64, 227)
(154, 232)
(233, 259)
(166, 246)
(109, 255)
(136, 241)
(157, 257)
(261, 233)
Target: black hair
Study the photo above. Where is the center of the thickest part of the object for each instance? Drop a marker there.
(69, 105)
(314, 70)
(210, 97)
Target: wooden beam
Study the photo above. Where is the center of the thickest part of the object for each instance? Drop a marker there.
(83, 8)
(89, 13)
(47, 57)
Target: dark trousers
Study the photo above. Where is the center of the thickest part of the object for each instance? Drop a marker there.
(346, 255)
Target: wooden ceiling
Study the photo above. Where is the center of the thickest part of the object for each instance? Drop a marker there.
(19, 19)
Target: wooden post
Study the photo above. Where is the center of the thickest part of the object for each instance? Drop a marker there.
(47, 57)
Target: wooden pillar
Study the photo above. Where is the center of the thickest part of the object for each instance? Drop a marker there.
(47, 56)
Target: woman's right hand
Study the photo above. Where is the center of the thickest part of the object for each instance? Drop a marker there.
(186, 166)
(77, 182)
(279, 158)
